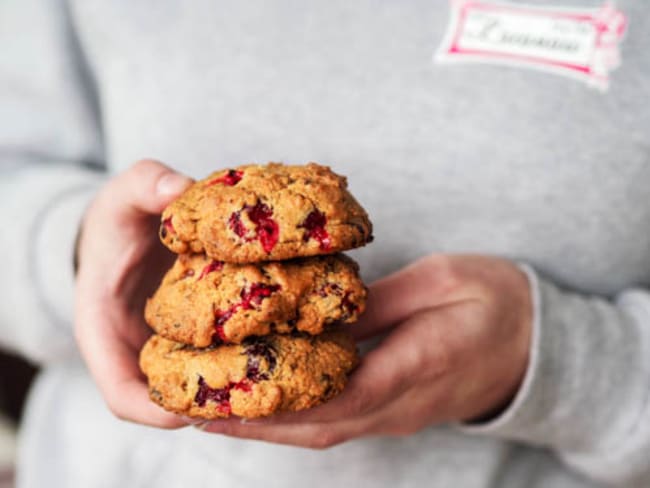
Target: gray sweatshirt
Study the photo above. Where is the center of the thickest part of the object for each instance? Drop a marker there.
(490, 158)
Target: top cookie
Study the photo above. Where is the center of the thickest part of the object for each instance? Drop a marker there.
(260, 213)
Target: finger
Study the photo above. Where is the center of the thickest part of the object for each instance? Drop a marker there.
(404, 415)
(424, 347)
(408, 413)
(443, 343)
(147, 187)
(113, 364)
(129, 400)
(427, 283)
(315, 436)
(124, 389)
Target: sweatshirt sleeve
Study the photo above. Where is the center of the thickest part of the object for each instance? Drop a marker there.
(586, 392)
(50, 166)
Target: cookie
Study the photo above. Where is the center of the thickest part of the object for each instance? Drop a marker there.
(254, 379)
(201, 301)
(266, 213)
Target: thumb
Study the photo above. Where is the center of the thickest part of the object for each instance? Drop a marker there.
(147, 187)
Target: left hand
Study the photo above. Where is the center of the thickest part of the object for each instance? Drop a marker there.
(121, 262)
(459, 331)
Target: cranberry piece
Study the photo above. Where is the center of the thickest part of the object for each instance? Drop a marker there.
(220, 318)
(243, 385)
(217, 395)
(219, 336)
(254, 352)
(213, 266)
(231, 178)
(253, 371)
(314, 226)
(254, 295)
(167, 227)
(346, 304)
(250, 298)
(266, 229)
(168, 224)
(221, 396)
(235, 223)
(328, 288)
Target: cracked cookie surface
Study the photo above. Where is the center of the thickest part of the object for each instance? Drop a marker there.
(254, 379)
(266, 212)
(202, 301)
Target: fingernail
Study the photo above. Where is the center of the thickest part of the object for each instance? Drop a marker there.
(172, 184)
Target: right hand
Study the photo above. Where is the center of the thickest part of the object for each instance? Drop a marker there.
(121, 261)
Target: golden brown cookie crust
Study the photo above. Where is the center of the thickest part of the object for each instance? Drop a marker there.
(266, 212)
(202, 301)
(255, 379)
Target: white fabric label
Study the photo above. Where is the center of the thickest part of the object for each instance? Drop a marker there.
(581, 43)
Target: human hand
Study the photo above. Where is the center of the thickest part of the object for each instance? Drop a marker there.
(121, 261)
(459, 331)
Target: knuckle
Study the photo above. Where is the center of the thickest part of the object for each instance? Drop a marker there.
(484, 289)
(432, 358)
(444, 273)
(445, 362)
(357, 403)
(443, 359)
(413, 362)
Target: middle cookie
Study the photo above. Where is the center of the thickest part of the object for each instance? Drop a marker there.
(202, 301)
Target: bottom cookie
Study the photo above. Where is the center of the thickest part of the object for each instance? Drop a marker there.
(260, 377)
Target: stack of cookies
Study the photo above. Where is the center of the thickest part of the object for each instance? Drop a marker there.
(245, 319)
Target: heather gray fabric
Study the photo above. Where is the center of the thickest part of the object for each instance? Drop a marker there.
(447, 158)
